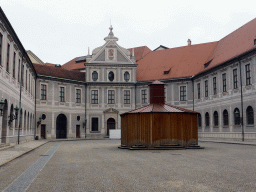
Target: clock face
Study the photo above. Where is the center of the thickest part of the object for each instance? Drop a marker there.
(111, 54)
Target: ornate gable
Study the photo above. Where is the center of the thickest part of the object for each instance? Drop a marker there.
(111, 52)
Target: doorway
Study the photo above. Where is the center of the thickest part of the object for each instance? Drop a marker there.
(77, 131)
(61, 126)
(111, 124)
(43, 132)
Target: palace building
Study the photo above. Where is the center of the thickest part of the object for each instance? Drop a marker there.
(85, 96)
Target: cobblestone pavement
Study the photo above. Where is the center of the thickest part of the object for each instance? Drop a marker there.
(98, 165)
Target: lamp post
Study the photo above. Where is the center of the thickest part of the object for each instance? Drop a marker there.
(13, 116)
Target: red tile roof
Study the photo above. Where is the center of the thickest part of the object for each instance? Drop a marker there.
(140, 52)
(160, 108)
(180, 62)
(50, 64)
(59, 72)
(189, 60)
(72, 65)
(234, 44)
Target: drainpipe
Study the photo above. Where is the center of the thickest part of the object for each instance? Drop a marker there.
(35, 109)
(85, 120)
(21, 84)
(135, 92)
(241, 85)
(193, 94)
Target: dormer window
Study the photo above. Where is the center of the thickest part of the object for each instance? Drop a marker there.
(207, 64)
(111, 76)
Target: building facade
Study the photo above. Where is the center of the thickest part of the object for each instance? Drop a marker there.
(17, 83)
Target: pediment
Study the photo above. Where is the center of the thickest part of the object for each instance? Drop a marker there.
(111, 110)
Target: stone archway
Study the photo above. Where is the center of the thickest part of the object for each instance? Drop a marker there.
(4, 122)
(111, 124)
(61, 126)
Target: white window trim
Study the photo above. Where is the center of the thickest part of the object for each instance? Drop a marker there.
(99, 123)
(46, 91)
(186, 91)
(115, 96)
(115, 75)
(130, 96)
(98, 71)
(147, 96)
(129, 71)
(65, 95)
(91, 97)
(80, 95)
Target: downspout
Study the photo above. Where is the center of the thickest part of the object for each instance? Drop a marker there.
(193, 93)
(135, 85)
(35, 110)
(242, 110)
(85, 120)
(21, 84)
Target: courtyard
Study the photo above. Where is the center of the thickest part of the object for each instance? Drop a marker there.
(98, 165)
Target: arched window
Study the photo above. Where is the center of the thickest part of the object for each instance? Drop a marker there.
(216, 118)
(207, 119)
(249, 115)
(225, 117)
(25, 118)
(94, 76)
(199, 120)
(237, 116)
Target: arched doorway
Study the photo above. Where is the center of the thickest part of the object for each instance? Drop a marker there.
(61, 126)
(111, 124)
(4, 122)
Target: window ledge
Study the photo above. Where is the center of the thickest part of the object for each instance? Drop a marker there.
(94, 131)
(207, 127)
(215, 127)
(249, 125)
(225, 126)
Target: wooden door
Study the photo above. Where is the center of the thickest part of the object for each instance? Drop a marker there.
(77, 131)
(43, 132)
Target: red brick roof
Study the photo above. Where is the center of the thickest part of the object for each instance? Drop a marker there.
(59, 72)
(140, 52)
(72, 65)
(50, 64)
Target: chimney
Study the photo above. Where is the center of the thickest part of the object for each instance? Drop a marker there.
(157, 92)
(189, 42)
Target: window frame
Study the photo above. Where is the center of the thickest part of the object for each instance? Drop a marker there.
(127, 97)
(14, 65)
(237, 118)
(224, 82)
(198, 91)
(93, 74)
(206, 94)
(8, 58)
(94, 96)
(78, 99)
(1, 45)
(225, 118)
(214, 79)
(125, 75)
(235, 81)
(216, 118)
(207, 119)
(248, 74)
(183, 93)
(144, 96)
(62, 94)
(111, 96)
(113, 74)
(43, 92)
(249, 116)
(199, 120)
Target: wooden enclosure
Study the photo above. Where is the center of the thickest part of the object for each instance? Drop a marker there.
(155, 129)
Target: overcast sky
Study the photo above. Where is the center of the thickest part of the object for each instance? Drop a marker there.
(60, 30)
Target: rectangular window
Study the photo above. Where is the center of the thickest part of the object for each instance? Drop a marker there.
(78, 95)
(248, 75)
(94, 96)
(198, 91)
(111, 97)
(29, 83)
(224, 80)
(19, 71)
(7, 62)
(1, 40)
(235, 78)
(13, 69)
(62, 92)
(126, 96)
(206, 88)
(43, 92)
(26, 79)
(214, 86)
(144, 96)
(95, 124)
(183, 94)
